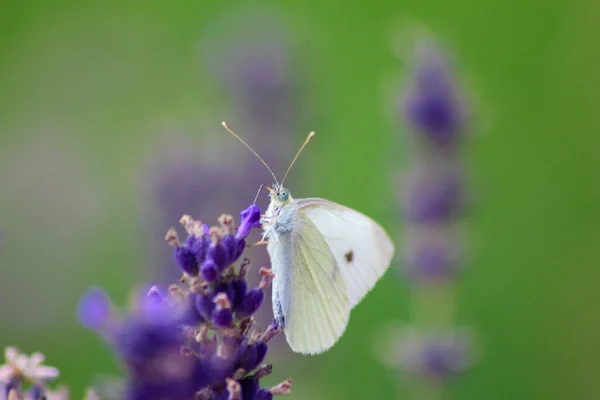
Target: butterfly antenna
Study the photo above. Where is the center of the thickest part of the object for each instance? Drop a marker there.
(310, 136)
(226, 126)
(257, 193)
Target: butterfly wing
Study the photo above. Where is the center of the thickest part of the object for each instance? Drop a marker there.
(362, 249)
(309, 290)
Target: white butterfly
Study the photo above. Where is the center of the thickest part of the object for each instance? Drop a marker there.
(325, 258)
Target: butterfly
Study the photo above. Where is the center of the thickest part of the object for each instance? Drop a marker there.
(325, 258)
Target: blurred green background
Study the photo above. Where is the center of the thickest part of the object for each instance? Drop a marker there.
(87, 89)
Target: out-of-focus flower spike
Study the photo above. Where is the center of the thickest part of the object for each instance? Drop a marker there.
(433, 198)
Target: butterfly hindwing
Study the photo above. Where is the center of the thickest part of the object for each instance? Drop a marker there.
(308, 289)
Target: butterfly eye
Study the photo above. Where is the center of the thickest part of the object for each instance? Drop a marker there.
(283, 196)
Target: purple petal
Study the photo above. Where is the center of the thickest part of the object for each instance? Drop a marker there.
(250, 219)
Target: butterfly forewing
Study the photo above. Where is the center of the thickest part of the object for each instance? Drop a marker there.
(362, 249)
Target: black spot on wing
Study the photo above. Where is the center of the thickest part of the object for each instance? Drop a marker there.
(349, 256)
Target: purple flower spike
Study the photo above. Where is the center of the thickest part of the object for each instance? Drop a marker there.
(434, 197)
(94, 309)
(198, 338)
(250, 219)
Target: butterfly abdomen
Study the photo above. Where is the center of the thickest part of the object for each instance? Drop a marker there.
(279, 250)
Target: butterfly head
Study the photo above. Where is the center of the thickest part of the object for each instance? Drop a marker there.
(279, 194)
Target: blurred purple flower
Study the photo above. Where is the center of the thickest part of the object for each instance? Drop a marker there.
(253, 64)
(431, 255)
(433, 193)
(433, 199)
(432, 104)
(434, 356)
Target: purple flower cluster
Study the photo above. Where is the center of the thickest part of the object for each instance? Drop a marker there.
(432, 356)
(197, 340)
(433, 200)
(432, 105)
(433, 194)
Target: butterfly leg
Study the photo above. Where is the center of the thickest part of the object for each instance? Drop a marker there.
(259, 243)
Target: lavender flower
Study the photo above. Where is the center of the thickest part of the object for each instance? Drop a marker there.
(254, 66)
(432, 106)
(197, 340)
(432, 255)
(432, 356)
(433, 191)
(433, 194)
(433, 200)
